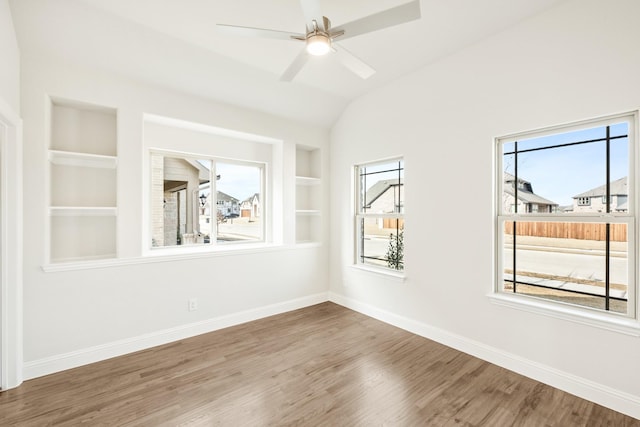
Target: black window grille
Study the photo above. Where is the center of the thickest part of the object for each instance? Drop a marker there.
(513, 282)
(380, 209)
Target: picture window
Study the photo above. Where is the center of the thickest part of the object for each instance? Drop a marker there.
(183, 191)
(566, 251)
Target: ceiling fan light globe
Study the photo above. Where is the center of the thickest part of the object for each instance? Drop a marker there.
(318, 45)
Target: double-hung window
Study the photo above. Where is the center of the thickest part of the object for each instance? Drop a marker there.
(203, 200)
(379, 219)
(578, 249)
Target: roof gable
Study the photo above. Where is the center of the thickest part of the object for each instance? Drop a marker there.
(617, 188)
(378, 189)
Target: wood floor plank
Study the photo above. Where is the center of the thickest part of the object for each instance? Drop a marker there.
(322, 365)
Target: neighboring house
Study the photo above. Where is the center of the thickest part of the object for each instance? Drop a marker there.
(228, 205)
(528, 201)
(595, 200)
(174, 193)
(384, 197)
(250, 207)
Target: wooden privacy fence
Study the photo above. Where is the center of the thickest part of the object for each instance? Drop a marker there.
(392, 223)
(568, 230)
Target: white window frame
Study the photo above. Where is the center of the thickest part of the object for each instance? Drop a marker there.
(359, 215)
(213, 244)
(626, 323)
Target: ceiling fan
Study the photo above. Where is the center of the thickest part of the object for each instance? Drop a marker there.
(320, 37)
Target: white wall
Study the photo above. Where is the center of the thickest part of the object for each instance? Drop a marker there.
(75, 317)
(10, 59)
(576, 61)
(11, 204)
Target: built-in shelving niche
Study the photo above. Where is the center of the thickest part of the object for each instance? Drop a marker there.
(83, 164)
(308, 194)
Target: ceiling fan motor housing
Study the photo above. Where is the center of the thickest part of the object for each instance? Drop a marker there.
(318, 43)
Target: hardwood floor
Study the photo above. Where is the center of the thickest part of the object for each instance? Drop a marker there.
(322, 365)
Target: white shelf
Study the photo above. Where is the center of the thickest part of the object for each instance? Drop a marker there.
(310, 212)
(83, 128)
(82, 234)
(69, 158)
(82, 211)
(82, 171)
(307, 180)
(308, 244)
(308, 195)
(308, 163)
(308, 227)
(95, 259)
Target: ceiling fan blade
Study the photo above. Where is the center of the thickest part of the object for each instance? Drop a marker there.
(311, 11)
(295, 66)
(353, 63)
(236, 30)
(387, 18)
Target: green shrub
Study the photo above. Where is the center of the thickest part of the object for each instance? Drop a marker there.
(395, 251)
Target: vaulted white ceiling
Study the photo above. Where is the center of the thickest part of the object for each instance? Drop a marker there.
(175, 44)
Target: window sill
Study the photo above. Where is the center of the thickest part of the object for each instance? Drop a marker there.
(198, 250)
(610, 322)
(168, 255)
(389, 274)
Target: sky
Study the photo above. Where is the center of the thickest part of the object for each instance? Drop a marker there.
(239, 181)
(558, 174)
(382, 171)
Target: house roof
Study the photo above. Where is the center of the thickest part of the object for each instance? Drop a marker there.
(225, 197)
(523, 194)
(617, 188)
(528, 197)
(203, 171)
(508, 178)
(378, 189)
(250, 198)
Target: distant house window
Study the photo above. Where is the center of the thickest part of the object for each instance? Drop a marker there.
(621, 203)
(380, 214)
(183, 191)
(569, 256)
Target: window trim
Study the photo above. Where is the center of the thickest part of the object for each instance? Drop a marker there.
(359, 215)
(628, 323)
(213, 245)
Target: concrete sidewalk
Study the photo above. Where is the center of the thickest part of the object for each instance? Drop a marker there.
(567, 285)
(575, 246)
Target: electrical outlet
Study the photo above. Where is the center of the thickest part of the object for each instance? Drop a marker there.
(193, 304)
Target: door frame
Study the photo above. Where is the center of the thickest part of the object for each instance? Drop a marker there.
(11, 357)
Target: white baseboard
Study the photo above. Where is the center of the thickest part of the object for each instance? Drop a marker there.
(49, 365)
(606, 396)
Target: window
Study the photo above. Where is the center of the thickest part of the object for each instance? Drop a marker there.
(586, 201)
(205, 201)
(571, 253)
(380, 214)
